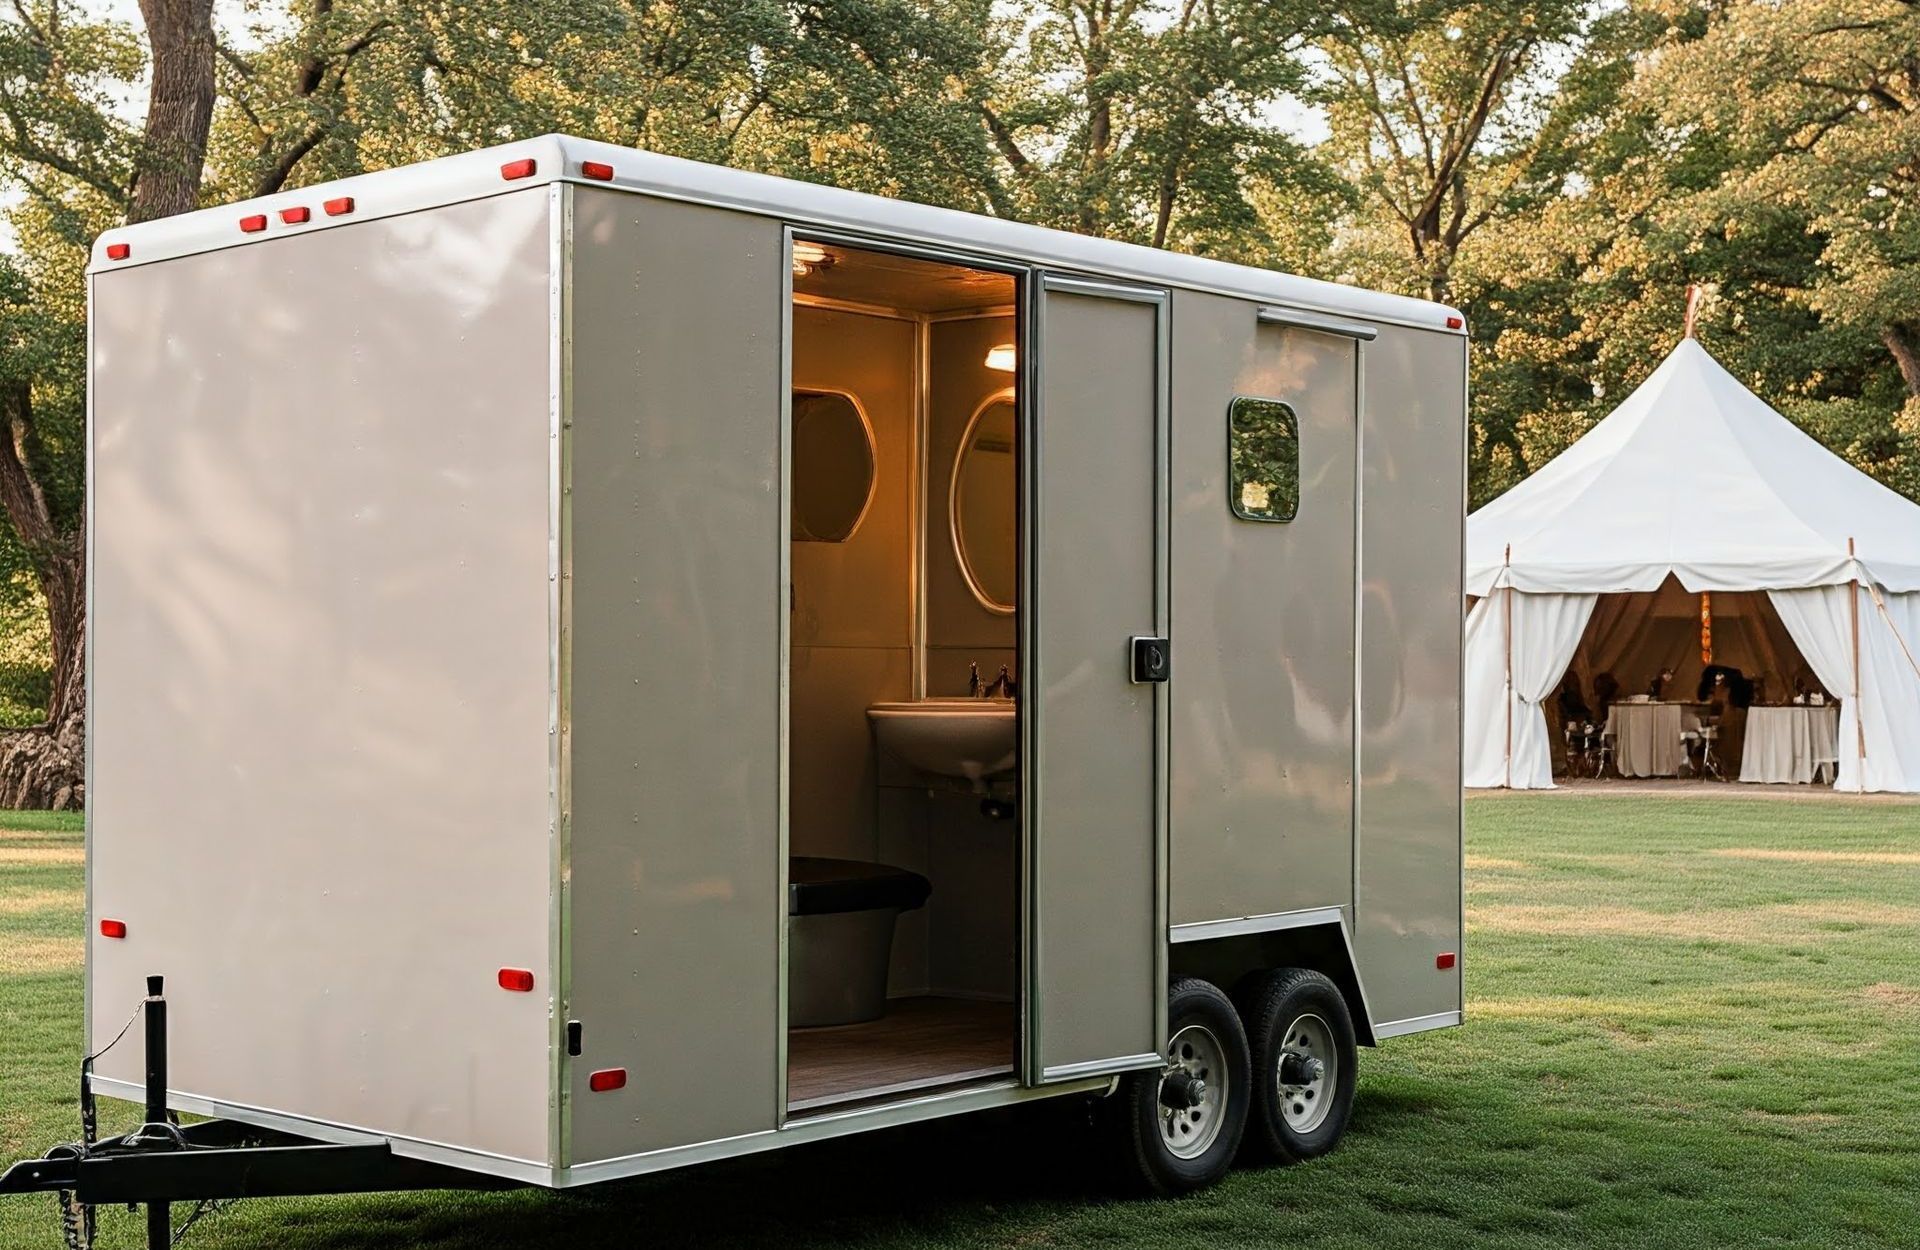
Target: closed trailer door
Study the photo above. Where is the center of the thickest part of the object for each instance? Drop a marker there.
(1097, 666)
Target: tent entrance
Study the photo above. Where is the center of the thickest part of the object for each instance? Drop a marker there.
(1723, 653)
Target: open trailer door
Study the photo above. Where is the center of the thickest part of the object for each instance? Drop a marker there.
(1097, 663)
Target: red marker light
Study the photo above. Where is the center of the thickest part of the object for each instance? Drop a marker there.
(597, 170)
(518, 169)
(1454, 323)
(119, 251)
(295, 216)
(113, 928)
(254, 224)
(339, 207)
(519, 980)
(607, 1079)
(1443, 960)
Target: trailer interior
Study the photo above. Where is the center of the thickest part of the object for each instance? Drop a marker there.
(903, 566)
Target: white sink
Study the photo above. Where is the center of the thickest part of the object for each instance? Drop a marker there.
(970, 738)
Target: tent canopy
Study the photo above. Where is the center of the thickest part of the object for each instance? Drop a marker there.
(1696, 476)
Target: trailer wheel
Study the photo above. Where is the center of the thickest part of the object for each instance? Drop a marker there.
(1185, 1119)
(1304, 1065)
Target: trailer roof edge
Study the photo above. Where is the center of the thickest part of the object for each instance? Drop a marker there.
(561, 158)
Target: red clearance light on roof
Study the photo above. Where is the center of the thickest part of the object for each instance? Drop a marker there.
(595, 169)
(519, 980)
(296, 215)
(254, 224)
(119, 251)
(1443, 960)
(607, 1079)
(518, 169)
(113, 928)
(339, 207)
(1454, 323)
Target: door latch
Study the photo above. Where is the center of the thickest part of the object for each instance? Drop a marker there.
(1152, 659)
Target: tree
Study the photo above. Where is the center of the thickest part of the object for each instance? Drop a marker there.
(1434, 110)
(1148, 123)
(1820, 103)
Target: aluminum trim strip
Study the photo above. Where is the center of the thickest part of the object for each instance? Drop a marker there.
(1055, 283)
(86, 678)
(823, 1127)
(1027, 711)
(1271, 922)
(784, 644)
(1102, 1067)
(1416, 1024)
(1274, 315)
(1356, 800)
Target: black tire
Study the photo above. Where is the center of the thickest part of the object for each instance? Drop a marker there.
(1218, 1121)
(1280, 1009)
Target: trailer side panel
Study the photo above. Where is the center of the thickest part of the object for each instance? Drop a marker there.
(677, 611)
(319, 658)
(1408, 851)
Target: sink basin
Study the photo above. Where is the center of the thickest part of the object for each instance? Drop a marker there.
(970, 738)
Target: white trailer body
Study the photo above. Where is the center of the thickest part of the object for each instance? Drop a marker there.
(439, 559)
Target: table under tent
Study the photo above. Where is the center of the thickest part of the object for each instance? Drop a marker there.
(1694, 588)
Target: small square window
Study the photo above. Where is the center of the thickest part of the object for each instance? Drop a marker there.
(1263, 460)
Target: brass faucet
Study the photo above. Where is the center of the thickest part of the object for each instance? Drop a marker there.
(1001, 687)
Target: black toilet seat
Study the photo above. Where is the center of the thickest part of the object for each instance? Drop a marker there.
(818, 886)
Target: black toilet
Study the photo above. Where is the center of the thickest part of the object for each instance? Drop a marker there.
(840, 916)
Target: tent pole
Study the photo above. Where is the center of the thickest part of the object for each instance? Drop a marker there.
(1508, 577)
(1859, 722)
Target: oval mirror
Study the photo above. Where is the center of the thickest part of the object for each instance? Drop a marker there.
(982, 504)
(832, 466)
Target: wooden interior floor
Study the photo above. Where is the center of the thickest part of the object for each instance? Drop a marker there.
(920, 1042)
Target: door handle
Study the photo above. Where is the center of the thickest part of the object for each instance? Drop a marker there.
(1152, 659)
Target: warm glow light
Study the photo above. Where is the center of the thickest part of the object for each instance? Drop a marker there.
(1001, 358)
(807, 257)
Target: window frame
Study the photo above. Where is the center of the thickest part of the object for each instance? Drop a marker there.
(1235, 487)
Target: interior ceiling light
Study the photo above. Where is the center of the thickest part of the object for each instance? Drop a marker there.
(810, 258)
(1001, 358)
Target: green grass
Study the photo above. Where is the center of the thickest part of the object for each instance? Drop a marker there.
(1691, 1023)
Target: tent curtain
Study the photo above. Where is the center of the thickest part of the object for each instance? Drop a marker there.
(1887, 713)
(1507, 742)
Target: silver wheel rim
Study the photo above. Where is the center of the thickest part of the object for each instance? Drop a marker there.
(1305, 1105)
(1191, 1132)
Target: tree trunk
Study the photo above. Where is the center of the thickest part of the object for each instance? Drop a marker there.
(45, 766)
(1903, 340)
(179, 107)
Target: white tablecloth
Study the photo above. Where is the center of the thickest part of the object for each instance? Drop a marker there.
(1646, 737)
(1785, 744)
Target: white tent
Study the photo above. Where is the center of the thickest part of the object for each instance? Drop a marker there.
(1696, 478)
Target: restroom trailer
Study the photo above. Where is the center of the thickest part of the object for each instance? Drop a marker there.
(504, 572)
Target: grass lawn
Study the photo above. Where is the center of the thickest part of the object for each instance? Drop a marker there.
(1690, 1023)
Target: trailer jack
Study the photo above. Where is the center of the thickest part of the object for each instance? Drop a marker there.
(160, 1163)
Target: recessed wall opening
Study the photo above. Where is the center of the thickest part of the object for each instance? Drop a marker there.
(904, 837)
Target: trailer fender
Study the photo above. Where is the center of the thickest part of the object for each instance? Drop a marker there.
(1227, 955)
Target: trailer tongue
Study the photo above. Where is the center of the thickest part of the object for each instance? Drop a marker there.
(163, 1162)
